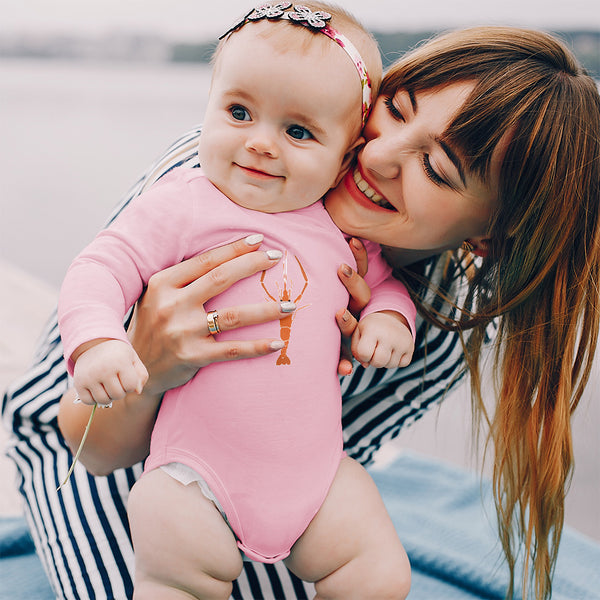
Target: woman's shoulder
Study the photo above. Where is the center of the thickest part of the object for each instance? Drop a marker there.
(181, 153)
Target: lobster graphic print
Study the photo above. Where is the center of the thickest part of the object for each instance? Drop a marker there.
(285, 295)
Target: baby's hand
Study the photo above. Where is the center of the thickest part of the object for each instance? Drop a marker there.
(383, 339)
(107, 370)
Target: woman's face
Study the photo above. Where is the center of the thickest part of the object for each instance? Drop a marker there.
(409, 188)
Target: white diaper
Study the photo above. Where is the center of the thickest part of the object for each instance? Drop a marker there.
(187, 475)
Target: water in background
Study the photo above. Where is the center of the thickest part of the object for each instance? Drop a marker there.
(73, 137)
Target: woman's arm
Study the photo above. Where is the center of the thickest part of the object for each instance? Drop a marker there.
(168, 331)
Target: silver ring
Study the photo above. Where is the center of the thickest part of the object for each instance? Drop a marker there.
(212, 318)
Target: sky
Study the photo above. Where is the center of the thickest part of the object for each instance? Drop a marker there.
(204, 20)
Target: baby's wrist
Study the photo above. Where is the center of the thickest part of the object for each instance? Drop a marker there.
(85, 347)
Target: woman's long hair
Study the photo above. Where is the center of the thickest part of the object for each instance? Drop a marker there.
(541, 276)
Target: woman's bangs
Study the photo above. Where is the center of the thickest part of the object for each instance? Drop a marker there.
(479, 125)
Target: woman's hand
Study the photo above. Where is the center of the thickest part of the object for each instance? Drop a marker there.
(169, 331)
(360, 294)
(169, 328)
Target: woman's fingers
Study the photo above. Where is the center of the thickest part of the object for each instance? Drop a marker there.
(223, 276)
(191, 269)
(347, 324)
(252, 314)
(205, 350)
(359, 291)
(360, 256)
(234, 350)
(360, 294)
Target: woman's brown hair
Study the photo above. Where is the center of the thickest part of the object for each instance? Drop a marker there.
(540, 278)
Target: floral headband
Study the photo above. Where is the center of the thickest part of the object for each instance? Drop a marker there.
(316, 21)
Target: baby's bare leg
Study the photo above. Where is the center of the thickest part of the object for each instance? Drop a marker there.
(183, 547)
(350, 549)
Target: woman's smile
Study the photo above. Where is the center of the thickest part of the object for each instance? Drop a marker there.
(364, 194)
(363, 185)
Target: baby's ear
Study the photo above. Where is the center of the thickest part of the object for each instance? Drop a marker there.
(348, 158)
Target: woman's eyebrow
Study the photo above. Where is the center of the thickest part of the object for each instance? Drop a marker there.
(453, 156)
(413, 101)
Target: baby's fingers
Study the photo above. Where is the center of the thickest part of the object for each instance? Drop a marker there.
(84, 396)
(94, 394)
(362, 348)
(405, 359)
(391, 358)
(382, 357)
(130, 380)
(90, 391)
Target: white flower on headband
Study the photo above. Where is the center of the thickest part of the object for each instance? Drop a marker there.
(314, 19)
(271, 11)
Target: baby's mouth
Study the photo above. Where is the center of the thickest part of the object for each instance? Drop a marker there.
(369, 192)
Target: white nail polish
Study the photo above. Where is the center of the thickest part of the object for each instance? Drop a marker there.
(274, 254)
(287, 307)
(277, 345)
(255, 238)
(77, 400)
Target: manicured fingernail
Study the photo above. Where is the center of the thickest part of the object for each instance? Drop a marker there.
(346, 270)
(356, 243)
(345, 316)
(109, 405)
(77, 400)
(255, 238)
(274, 254)
(287, 307)
(276, 345)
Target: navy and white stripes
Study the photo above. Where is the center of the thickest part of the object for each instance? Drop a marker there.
(81, 533)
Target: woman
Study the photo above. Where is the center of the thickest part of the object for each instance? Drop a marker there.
(513, 168)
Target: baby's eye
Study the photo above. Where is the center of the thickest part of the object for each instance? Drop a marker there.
(299, 133)
(239, 113)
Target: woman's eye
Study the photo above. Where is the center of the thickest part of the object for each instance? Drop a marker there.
(299, 133)
(239, 113)
(430, 172)
(393, 109)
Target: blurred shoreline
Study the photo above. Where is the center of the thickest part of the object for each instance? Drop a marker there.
(118, 46)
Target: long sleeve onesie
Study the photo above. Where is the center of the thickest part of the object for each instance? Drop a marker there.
(265, 433)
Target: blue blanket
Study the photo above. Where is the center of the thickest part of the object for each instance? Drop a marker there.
(445, 518)
(21, 573)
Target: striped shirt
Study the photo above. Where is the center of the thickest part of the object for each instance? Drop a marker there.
(81, 533)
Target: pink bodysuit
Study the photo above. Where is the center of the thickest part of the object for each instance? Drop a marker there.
(265, 433)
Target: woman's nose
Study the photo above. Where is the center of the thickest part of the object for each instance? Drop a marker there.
(382, 158)
(262, 142)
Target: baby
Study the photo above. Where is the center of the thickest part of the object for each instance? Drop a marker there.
(260, 439)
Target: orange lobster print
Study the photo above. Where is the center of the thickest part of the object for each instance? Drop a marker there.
(285, 295)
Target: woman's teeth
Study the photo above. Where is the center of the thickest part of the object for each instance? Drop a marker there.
(369, 192)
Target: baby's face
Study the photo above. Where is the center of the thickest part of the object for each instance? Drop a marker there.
(282, 117)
